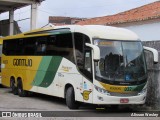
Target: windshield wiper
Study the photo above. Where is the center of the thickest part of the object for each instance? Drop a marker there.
(126, 63)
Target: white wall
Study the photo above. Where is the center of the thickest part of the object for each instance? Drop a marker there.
(147, 31)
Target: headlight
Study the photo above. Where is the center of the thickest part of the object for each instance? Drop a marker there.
(101, 90)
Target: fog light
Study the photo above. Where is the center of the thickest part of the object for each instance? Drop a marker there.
(100, 98)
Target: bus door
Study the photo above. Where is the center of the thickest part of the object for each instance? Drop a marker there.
(84, 65)
(87, 79)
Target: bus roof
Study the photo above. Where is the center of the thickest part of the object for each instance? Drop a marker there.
(108, 32)
(93, 31)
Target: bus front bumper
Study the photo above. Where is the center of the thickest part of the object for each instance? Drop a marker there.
(99, 98)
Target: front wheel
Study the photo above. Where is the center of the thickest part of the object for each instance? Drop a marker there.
(70, 99)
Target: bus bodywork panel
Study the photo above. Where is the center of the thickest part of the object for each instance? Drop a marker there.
(47, 75)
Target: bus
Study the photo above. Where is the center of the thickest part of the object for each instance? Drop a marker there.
(93, 64)
(1, 42)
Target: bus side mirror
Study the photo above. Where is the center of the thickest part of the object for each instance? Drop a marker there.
(155, 53)
(96, 51)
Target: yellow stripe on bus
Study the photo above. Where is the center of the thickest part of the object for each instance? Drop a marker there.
(122, 89)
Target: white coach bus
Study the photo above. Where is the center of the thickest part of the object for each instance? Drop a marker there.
(91, 64)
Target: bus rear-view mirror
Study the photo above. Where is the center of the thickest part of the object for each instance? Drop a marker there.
(154, 52)
(96, 51)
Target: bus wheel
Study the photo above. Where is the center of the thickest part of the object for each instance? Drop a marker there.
(21, 92)
(70, 99)
(13, 87)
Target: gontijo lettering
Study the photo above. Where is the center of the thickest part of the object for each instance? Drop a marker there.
(22, 62)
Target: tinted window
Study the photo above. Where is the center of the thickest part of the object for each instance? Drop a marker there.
(30, 46)
(83, 54)
(60, 45)
(9, 47)
(24, 46)
(57, 45)
(40, 45)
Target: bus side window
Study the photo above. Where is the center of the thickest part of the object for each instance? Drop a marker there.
(41, 46)
(88, 65)
(83, 55)
(20, 44)
(51, 44)
(29, 47)
(61, 45)
(10, 47)
(65, 46)
(88, 61)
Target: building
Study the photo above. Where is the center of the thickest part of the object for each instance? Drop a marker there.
(60, 20)
(144, 20)
(4, 28)
(10, 6)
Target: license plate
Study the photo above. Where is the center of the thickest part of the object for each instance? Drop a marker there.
(124, 100)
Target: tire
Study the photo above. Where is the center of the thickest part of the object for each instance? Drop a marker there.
(70, 99)
(21, 92)
(13, 87)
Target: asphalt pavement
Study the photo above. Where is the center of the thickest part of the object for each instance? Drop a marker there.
(55, 108)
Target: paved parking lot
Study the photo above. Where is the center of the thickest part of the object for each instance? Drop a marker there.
(38, 102)
(11, 102)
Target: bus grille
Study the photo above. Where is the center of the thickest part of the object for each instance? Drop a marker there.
(124, 94)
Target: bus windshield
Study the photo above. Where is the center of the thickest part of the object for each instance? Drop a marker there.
(121, 61)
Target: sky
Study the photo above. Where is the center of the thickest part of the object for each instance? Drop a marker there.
(73, 8)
